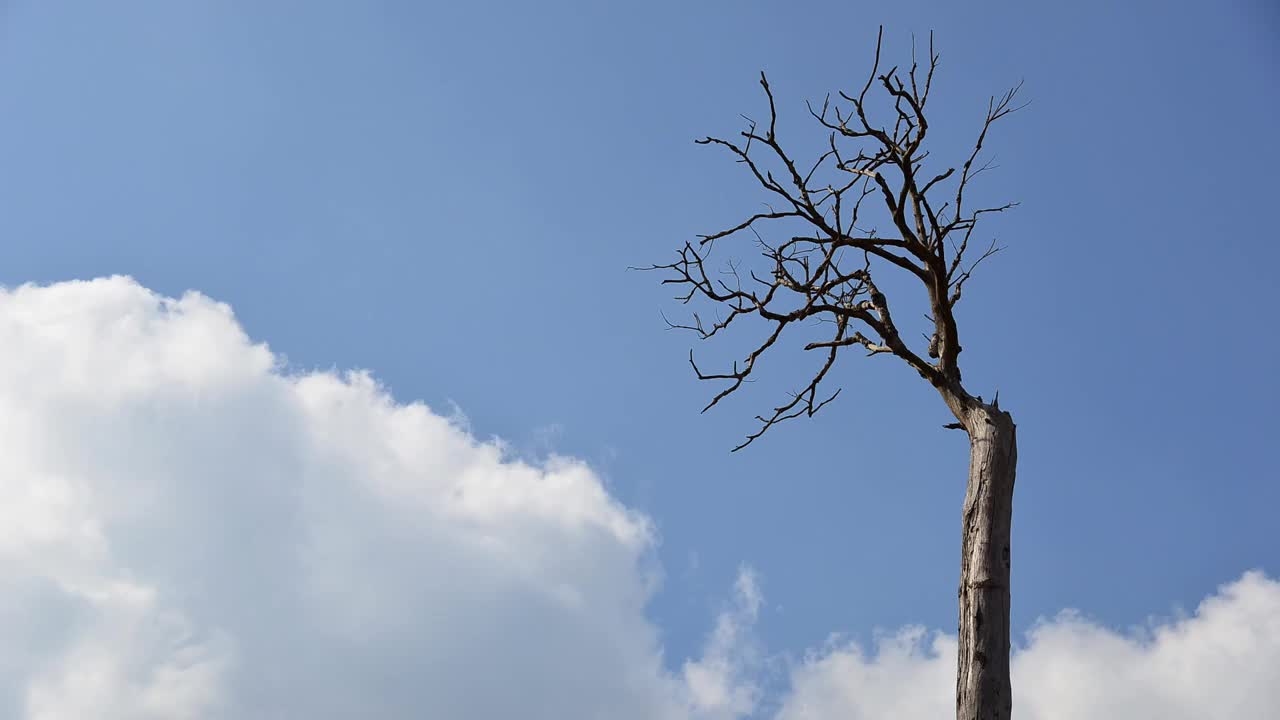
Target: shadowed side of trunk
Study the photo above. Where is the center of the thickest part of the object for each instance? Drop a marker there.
(982, 683)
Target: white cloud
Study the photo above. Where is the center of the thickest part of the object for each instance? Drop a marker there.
(911, 675)
(1222, 662)
(188, 530)
(720, 683)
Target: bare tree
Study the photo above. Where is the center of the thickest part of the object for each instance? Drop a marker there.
(823, 266)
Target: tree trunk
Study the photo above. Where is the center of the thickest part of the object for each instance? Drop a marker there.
(982, 681)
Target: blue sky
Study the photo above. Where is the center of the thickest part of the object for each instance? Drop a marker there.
(450, 196)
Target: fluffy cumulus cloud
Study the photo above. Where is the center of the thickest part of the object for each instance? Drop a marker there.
(190, 530)
(721, 683)
(1221, 662)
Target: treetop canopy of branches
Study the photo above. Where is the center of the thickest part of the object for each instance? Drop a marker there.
(827, 271)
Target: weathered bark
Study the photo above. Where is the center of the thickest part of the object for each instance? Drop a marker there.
(982, 682)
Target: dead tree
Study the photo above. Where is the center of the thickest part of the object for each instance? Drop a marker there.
(823, 264)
